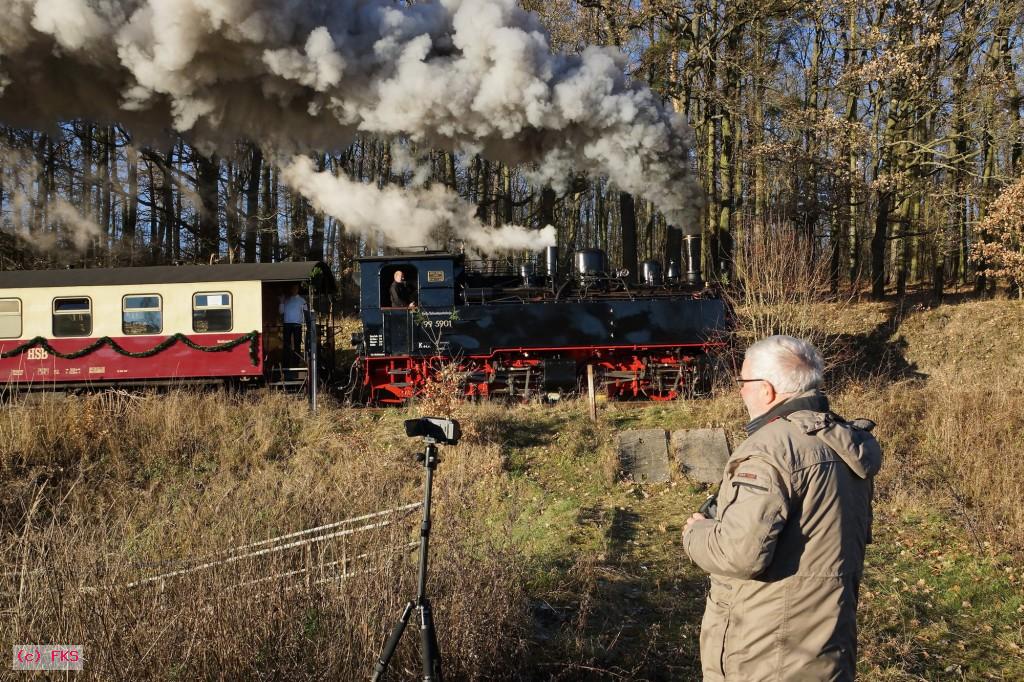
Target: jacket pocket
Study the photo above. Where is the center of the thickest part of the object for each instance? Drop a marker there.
(713, 631)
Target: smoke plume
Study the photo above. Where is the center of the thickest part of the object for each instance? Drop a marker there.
(471, 75)
(406, 217)
(48, 225)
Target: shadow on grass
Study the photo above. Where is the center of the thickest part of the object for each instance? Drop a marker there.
(621, 531)
(878, 354)
(632, 613)
(935, 607)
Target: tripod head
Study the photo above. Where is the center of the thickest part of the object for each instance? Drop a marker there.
(434, 430)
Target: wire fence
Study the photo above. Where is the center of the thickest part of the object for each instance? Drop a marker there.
(304, 549)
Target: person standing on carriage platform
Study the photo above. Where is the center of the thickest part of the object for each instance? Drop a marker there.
(293, 310)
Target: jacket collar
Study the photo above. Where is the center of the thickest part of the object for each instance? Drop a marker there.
(813, 400)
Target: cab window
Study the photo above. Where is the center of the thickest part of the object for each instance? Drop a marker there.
(211, 312)
(398, 295)
(141, 314)
(72, 316)
(10, 318)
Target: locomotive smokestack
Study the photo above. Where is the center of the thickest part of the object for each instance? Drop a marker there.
(691, 247)
(672, 272)
(551, 258)
(650, 271)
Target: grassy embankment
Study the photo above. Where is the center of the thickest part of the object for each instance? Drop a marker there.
(545, 564)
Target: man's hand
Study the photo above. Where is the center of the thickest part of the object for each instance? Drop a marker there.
(692, 520)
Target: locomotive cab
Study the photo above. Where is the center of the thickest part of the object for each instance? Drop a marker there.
(389, 329)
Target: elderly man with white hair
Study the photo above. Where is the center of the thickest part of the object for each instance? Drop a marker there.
(785, 543)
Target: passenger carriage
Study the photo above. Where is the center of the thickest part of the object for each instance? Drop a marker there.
(146, 325)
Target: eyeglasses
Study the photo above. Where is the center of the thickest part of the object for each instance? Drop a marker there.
(744, 381)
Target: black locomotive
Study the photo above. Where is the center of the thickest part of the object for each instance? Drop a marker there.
(530, 328)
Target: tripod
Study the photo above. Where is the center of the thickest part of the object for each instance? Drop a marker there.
(430, 654)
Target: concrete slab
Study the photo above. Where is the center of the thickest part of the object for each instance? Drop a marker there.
(701, 454)
(643, 455)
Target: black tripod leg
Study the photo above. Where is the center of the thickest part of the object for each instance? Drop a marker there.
(392, 643)
(429, 650)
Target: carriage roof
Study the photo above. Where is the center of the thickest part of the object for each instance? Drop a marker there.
(301, 271)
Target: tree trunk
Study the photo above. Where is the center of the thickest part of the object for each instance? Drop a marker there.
(506, 205)
(208, 235)
(316, 244)
(232, 217)
(106, 203)
(627, 213)
(131, 217)
(171, 218)
(547, 207)
(674, 247)
(252, 203)
(878, 241)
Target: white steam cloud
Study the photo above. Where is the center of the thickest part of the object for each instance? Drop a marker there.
(406, 217)
(52, 225)
(471, 75)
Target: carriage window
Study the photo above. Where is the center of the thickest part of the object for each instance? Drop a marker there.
(141, 314)
(10, 318)
(72, 317)
(211, 312)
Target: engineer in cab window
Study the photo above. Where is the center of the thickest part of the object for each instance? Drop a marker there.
(292, 308)
(402, 295)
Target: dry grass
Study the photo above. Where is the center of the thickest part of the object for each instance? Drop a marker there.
(952, 431)
(779, 283)
(102, 491)
(952, 444)
(544, 563)
(943, 384)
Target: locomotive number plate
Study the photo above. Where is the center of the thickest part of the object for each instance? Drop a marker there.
(435, 275)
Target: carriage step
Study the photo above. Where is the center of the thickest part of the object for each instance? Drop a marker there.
(287, 384)
(288, 377)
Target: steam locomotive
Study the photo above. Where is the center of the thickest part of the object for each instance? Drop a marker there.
(529, 328)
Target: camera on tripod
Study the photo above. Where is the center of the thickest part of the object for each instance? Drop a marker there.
(434, 430)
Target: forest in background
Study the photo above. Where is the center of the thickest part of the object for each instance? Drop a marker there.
(882, 134)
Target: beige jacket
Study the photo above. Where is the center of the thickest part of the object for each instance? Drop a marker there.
(786, 550)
